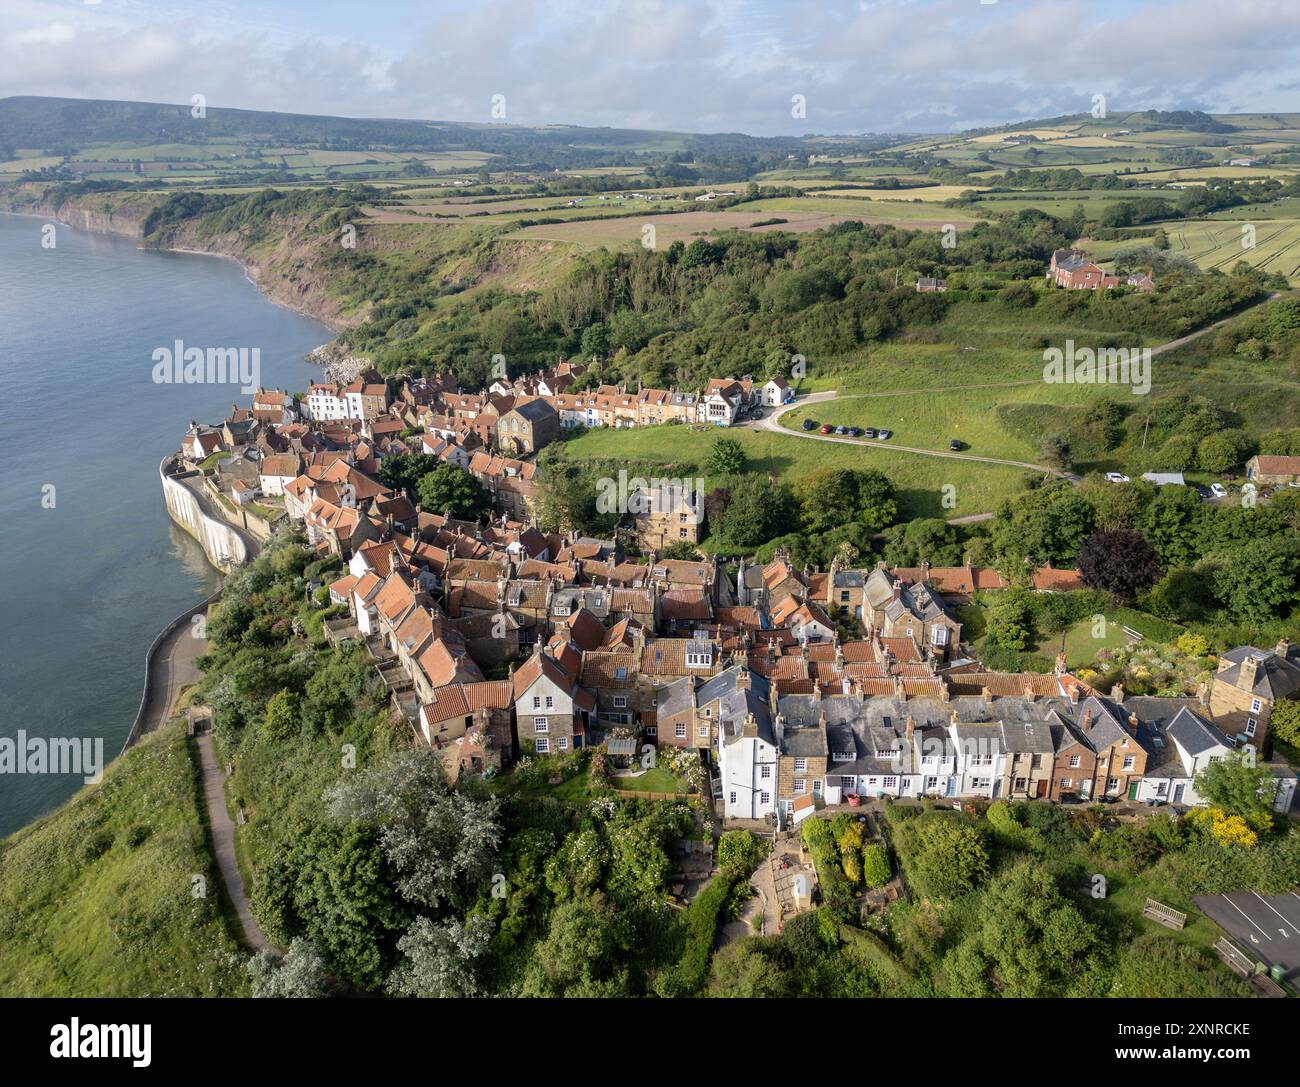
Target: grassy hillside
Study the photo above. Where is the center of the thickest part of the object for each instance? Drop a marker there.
(95, 899)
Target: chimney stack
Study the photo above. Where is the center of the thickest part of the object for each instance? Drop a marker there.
(1117, 693)
(1249, 672)
(1086, 722)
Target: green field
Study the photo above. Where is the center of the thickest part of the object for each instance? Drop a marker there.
(95, 899)
(919, 479)
(1218, 243)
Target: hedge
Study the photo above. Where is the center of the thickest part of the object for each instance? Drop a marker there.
(876, 869)
(688, 975)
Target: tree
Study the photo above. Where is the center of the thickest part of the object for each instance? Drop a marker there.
(449, 489)
(1055, 452)
(1223, 451)
(404, 471)
(758, 510)
(440, 957)
(1239, 786)
(1121, 563)
(1011, 619)
(876, 870)
(952, 859)
(442, 844)
(1029, 936)
(740, 852)
(925, 539)
(833, 497)
(580, 954)
(301, 973)
(595, 341)
(1046, 525)
(1260, 580)
(681, 549)
(1173, 524)
(1285, 722)
(283, 718)
(726, 458)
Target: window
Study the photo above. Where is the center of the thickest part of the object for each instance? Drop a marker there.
(562, 743)
(1112, 784)
(702, 732)
(1129, 761)
(1251, 725)
(765, 798)
(620, 700)
(550, 702)
(800, 785)
(846, 783)
(652, 730)
(817, 786)
(733, 798)
(1021, 784)
(939, 636)
(931, 784)
(801, 764)
(537, 702)
(543, 745)
(890, 783)
(1256, 705)
(765, 772)
(679, 731)
(539, 724)
(1074, 762)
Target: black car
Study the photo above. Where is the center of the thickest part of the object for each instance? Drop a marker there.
(854, 432)
(808, 424)
(955, 445)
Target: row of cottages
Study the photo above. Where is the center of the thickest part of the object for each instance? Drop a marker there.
(1075, 270)
(784, 757)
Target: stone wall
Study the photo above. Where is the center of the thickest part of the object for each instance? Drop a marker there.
(221, 543)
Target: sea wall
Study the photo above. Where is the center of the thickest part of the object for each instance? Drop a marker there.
(221, 543)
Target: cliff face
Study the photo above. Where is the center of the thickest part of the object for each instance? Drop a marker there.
(289, 269)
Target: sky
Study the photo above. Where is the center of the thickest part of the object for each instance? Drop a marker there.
(687, 65)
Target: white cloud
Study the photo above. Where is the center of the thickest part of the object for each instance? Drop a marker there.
(683, 64)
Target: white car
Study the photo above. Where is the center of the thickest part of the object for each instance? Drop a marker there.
(1218, 490)
(1117, 477)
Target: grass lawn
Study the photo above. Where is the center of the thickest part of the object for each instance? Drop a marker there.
(1081, 647)
(656, 780)
(95, 899)
(918, 479)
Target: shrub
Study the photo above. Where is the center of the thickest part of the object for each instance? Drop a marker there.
(876, 869)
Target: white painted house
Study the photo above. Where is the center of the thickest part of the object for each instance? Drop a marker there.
(777, 391)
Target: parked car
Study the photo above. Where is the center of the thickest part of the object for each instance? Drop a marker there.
(854, 432)
(1203, 490)
(1294, 483)
(839, 430)
(1218, 490)
(870, 432)
(826, 428)
(1117, 477)
(955, 445)
(808, 424)
(885, 435)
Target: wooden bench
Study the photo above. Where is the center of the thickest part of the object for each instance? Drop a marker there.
(1131, 634)
(1166, 915)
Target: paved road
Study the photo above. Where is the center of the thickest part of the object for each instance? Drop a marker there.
(1268, 928)
(223, 844)
(173, 669)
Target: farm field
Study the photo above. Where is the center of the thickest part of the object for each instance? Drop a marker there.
(1218, 244)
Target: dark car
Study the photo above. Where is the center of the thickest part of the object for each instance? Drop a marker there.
(808, 424)
(955, 445)
(870, 432)
(853, 432)
(839, 430)
(885, 435)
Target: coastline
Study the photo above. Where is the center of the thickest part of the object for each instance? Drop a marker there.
(250, 270)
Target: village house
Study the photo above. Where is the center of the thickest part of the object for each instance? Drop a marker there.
(526, 428)
(1265, 469)
(1246, 687)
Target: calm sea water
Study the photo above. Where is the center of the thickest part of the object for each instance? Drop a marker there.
(85, 586)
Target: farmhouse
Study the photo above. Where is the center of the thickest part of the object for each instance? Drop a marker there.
(1263, 468)
(1074, 270)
